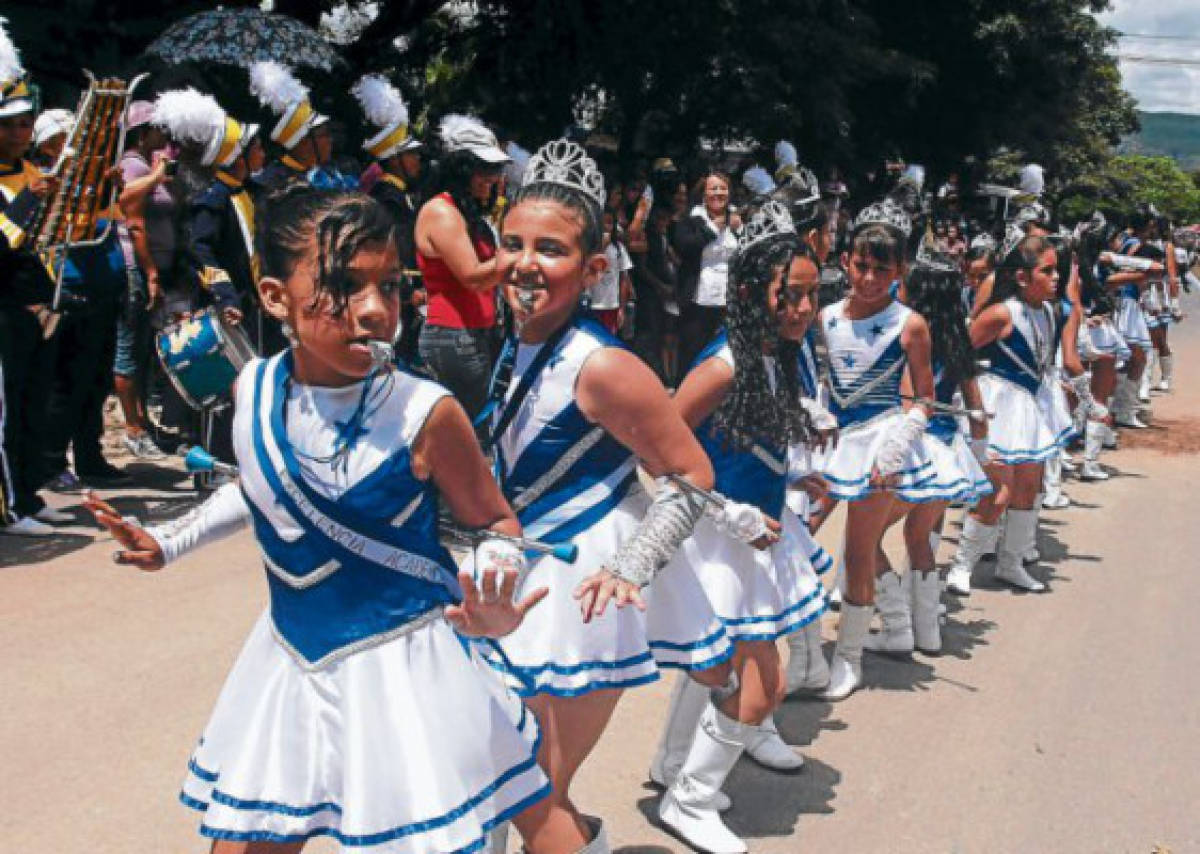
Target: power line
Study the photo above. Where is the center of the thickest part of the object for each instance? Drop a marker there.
(1159, 60)
(1158, 36)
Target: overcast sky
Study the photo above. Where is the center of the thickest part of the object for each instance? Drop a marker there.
(1160, 88)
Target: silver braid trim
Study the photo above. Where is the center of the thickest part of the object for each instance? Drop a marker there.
(669, 521)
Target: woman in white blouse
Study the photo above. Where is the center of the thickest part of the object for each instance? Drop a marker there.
(704, 241)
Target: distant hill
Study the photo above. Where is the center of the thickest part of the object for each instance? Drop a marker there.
(1174, 135)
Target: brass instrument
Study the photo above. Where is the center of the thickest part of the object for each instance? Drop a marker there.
(86, 192)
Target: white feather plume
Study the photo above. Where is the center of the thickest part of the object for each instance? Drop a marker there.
(380, 100)
(785, 153)
(10, 60)
(758, 181)
(275, 86)
(188, 115)
(455, 125)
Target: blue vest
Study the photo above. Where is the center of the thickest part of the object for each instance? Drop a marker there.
(346, 573)
(757, 476)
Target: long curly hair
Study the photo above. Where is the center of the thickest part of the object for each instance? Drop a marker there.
(751, 411)
(936, 295)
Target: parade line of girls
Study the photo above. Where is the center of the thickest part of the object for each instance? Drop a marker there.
(399, 702)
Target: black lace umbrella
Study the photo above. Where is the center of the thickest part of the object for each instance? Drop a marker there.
(241, 37)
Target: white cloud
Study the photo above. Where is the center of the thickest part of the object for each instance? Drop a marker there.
(1160, 88)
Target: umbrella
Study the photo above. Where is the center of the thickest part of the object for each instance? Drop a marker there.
(241, 37)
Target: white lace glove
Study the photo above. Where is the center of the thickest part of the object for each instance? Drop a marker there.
(743, 522)
(1176, 309)
(895, 448)
(822, 418)
(1082, 387)
(224, 513)
(500, 555)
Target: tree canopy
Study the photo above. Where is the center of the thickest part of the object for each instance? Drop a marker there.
(849, 81)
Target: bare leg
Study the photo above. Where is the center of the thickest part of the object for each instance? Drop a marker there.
(761, 682)
(1104, 378)
(571, 726)
(866, 521)
(131, 404)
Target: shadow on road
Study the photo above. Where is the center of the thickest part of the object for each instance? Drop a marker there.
(22, 551)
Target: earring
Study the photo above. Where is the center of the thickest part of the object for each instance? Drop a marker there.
(290, 334)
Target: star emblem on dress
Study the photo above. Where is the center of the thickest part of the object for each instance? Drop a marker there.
(848, 360)
(832, 322)
(876, 329)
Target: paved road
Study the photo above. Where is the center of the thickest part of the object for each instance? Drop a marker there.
(1068, 722)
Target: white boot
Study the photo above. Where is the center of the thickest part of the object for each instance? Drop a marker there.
(926, 589)
(839, 579)
(1144, 383)
(1053, 497)
(807, 669)
(1166, 365)
(688, 702)
(686, 808)
(895, 637)
(1031, 553)
(845, 671)
(975, 539)
(768, 749)
(498, 839)
(1021, 529)
(599, 843)
(1092, 443)
(1125, 404)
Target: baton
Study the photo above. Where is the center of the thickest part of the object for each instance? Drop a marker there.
(198, 460)
(713, 498)
(979, 415)
(566, 552)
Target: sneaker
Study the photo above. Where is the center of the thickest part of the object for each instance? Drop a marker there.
(103, 474)
(27, 526)
(143, 447)
(53, 517)
(65, 481)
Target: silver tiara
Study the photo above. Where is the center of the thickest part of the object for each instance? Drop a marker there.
(770, 220)
(563, 162)
(983, 242)
(1013, 235)
(931, 259)
(886, 213)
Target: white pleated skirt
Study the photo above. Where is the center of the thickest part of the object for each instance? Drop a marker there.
(554, 652)
(1131, 323)
(1102, 338)
(958, 477)
(758, 594)
(1024, 428)
(410, 746)
(848, 465)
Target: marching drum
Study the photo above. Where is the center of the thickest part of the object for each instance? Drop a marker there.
(202, 355)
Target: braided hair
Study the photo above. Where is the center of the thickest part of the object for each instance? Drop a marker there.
(936, 295)
(751, 410)
(341, 224)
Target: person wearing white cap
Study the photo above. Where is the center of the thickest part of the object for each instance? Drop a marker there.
(398, 154)
(25, 289)
(50, 133)
(286, 98)
(456, 250)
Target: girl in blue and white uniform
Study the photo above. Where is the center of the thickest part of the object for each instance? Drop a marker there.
(356, 709)
(908, 607)
(1126, 285)
(1017, 333)
(574, 412)
(754, 556)
(882, 453)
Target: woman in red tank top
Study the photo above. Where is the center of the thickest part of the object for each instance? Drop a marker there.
(455, 253)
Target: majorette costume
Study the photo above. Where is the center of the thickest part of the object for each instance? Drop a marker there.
(354, 710)
(569, 481)
(278, 90)
(760, 595)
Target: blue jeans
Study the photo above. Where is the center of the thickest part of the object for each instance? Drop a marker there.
(461, 360)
